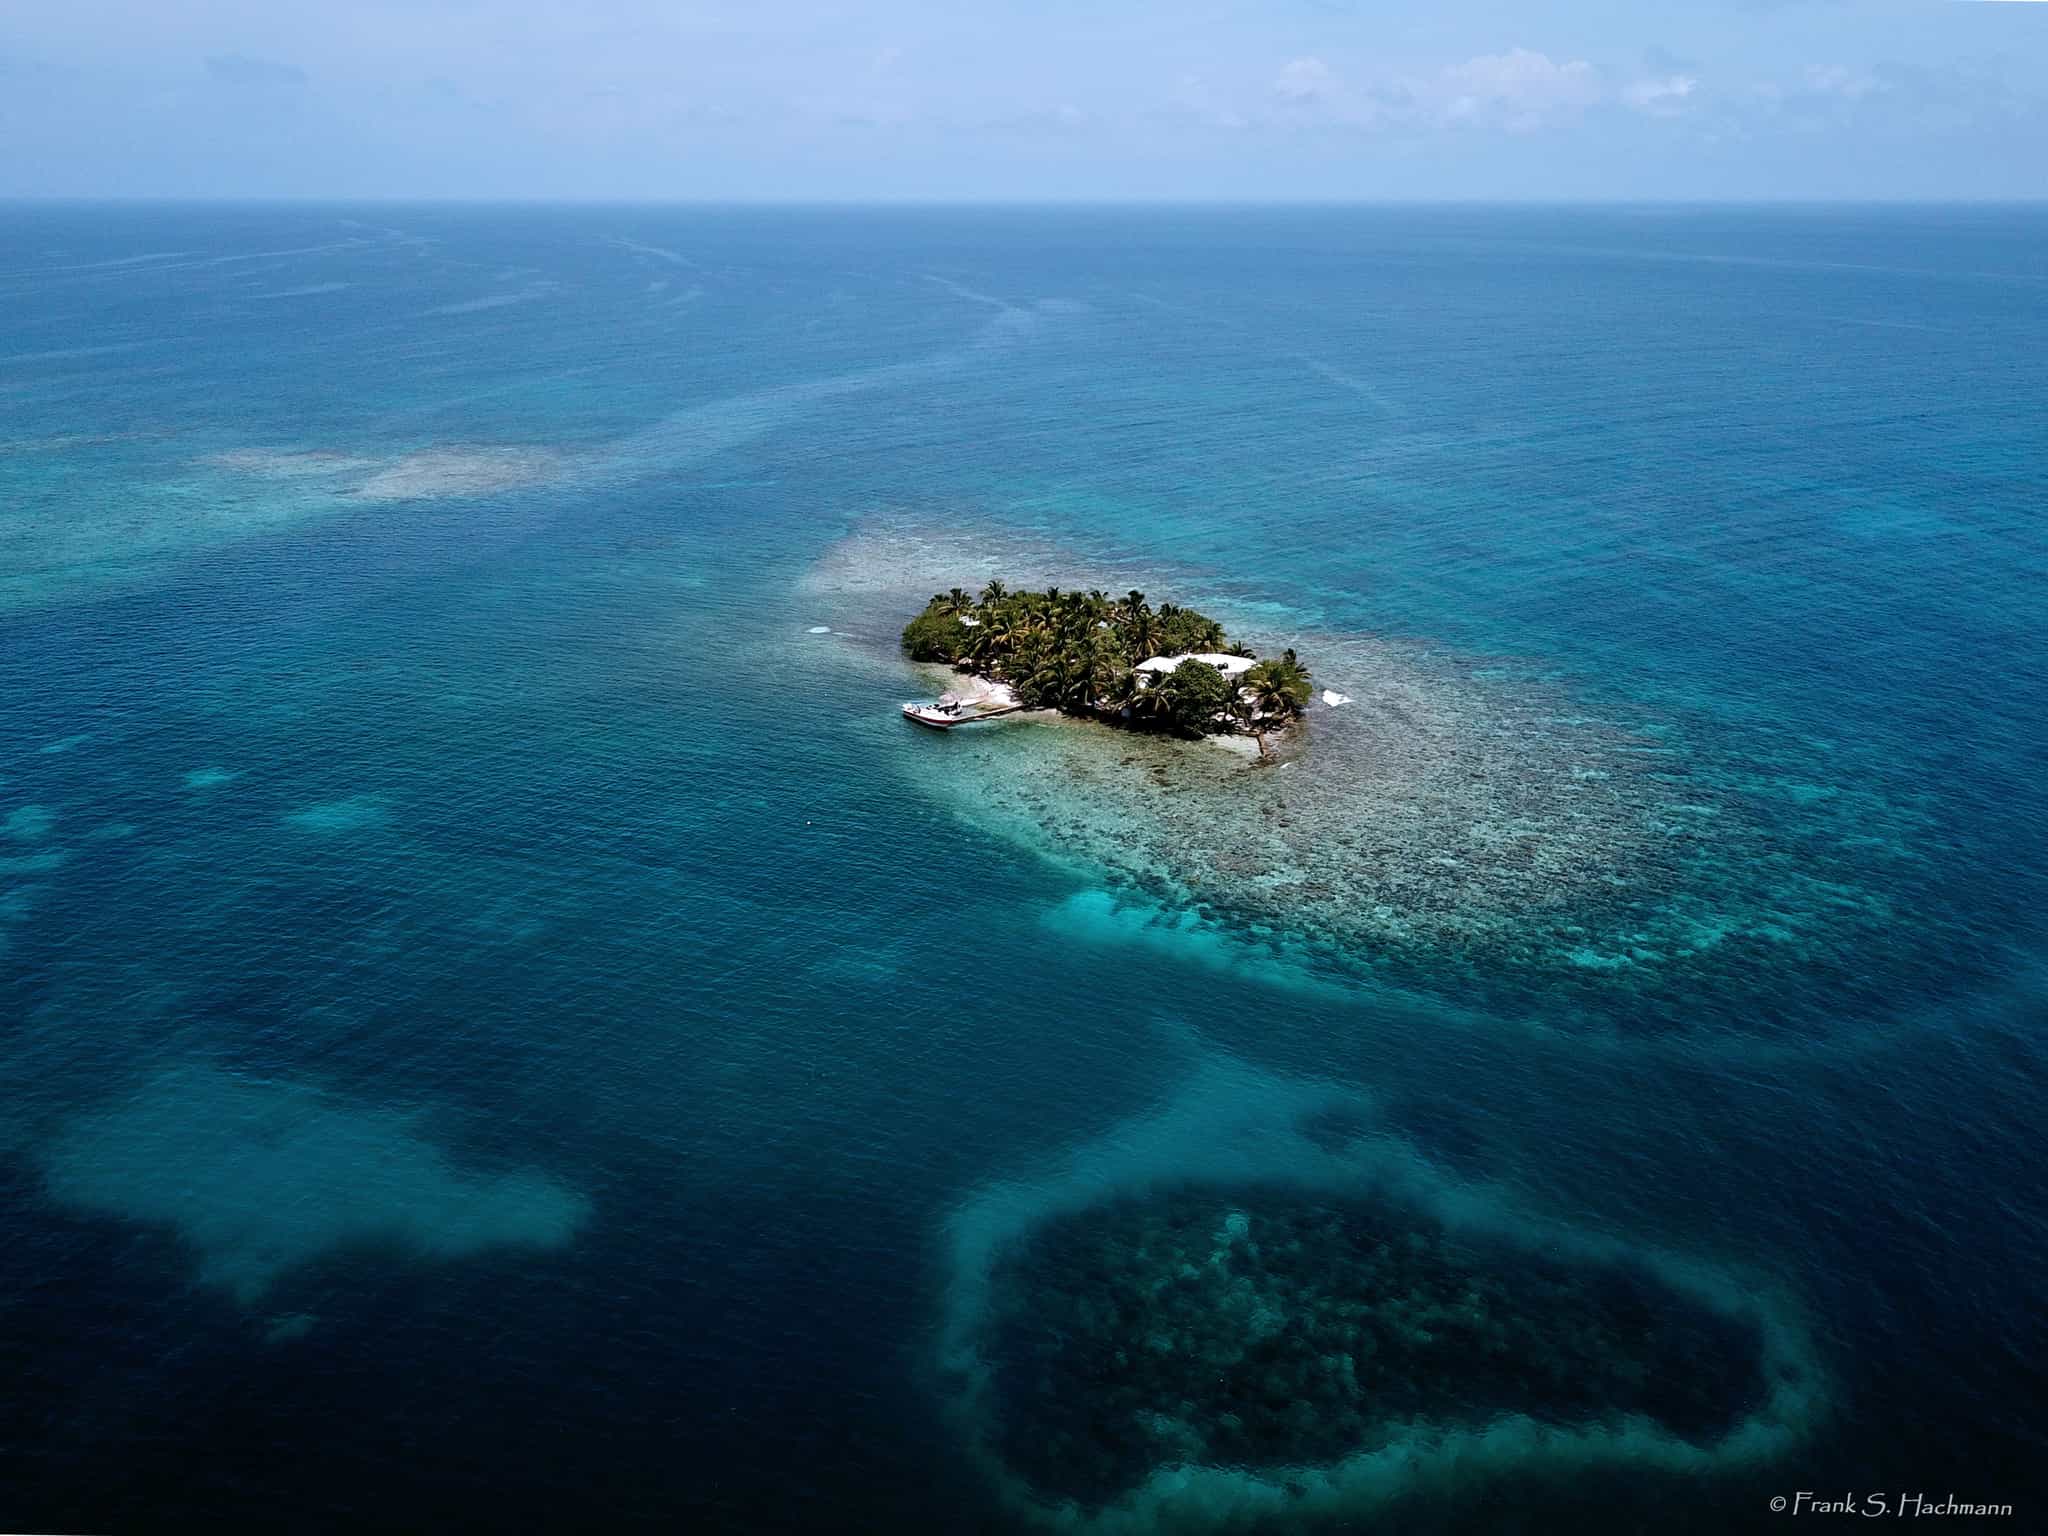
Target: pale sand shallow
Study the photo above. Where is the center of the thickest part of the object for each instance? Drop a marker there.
(459, 472)
(892, 558)
(427, 474)
(972, 688)
(260, 1177)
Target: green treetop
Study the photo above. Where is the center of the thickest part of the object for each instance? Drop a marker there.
(1079, 651)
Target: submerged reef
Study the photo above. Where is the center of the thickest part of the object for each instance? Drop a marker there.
(1252, 1306)
(1464, 826)
(260, 1178)
(1265, 1328)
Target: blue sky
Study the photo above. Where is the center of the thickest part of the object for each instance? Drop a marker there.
(1024, 99)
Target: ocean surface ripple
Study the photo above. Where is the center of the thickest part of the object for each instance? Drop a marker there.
(505, 1027)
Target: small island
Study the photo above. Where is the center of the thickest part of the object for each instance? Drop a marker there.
(1118, 660)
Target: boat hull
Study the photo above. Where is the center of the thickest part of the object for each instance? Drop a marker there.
(941, 720)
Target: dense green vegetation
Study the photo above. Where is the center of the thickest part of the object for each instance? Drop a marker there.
(1079, 652)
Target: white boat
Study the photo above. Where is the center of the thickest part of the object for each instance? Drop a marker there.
(944, 714)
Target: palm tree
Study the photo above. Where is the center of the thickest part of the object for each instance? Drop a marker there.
(981, 646)
(1006, 626)
(1140, 626)
(1078, 652)
(1147, 701)
(1272, 692)
(1105, 668)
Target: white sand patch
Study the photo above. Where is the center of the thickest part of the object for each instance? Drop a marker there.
(208, 778)
(1236, 746)
(972, 688)
(260, 1177)
(900, 559)
(437, 472)
(455, 470)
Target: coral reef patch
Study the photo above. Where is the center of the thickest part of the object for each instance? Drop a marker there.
(1268, 1327)
(1254, 1303)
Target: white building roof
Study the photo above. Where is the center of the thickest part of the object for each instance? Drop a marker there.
(1229, 666)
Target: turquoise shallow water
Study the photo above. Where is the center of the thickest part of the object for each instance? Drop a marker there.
(503, 1023)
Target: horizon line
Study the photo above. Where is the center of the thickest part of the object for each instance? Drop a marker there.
(1023, 202)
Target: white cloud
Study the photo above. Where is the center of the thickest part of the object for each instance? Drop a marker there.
(1838, 80)
(1310, 93)
(1303, 81)
(1521, 87)
(1193, 97)
(1660, 96)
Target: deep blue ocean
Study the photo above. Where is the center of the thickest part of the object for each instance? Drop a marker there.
(503, 1026)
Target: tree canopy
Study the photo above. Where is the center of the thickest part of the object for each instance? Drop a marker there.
(1197, 697)
(1079, 651)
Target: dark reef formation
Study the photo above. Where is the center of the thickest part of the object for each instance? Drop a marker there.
(1273, 1327)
